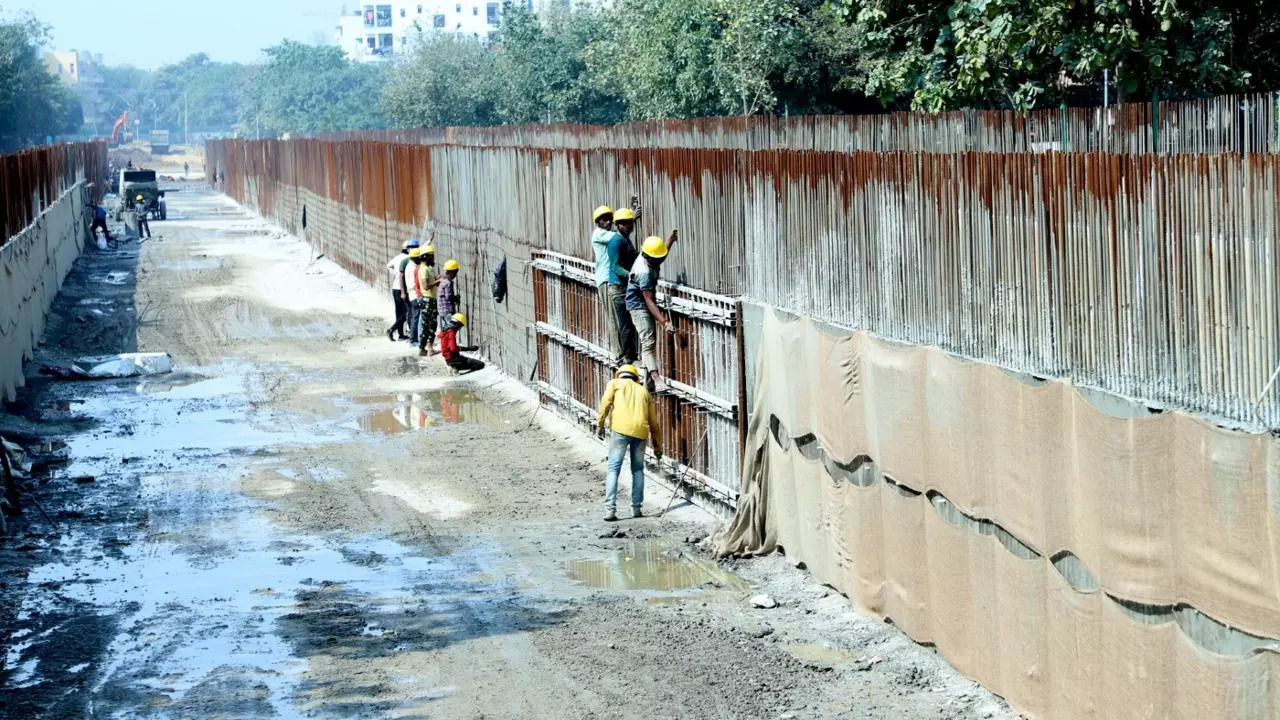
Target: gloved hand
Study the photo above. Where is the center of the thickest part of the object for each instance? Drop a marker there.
(658, 454)
(600, 432)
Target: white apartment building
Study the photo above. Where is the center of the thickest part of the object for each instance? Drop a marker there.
(378, 31)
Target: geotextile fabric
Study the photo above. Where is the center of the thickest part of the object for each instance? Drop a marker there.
(856, 448)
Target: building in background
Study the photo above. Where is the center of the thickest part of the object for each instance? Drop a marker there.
(380, 30)
(80, 70)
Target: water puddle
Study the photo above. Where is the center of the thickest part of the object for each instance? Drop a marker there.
(816, 653)
(652, 565)
(421, 410)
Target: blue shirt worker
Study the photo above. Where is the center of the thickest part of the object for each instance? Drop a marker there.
(642, 302)
(622, 253)
(601, 238)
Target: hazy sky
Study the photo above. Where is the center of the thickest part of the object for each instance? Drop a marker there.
(151, 33)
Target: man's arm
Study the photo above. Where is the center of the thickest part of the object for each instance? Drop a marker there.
(672, 238)
(606, 404)
(655, 428)
(654, 310)
(404, 289)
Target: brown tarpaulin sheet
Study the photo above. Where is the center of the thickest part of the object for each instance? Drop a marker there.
(1163, 510)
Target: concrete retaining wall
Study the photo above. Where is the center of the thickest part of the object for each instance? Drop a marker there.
(33, 265)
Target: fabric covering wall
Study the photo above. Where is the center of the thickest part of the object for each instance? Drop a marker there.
(945, 494)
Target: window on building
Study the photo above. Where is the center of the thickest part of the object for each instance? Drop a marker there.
(384, 16)
(475, 10)
(369, 15)
(372, 42)
(458, 7)
(419, 9)
(73, 68)
(401, 12)
(491, 13)
(437, 21)
(385, 40)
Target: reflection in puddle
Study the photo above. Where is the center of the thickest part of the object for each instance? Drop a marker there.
(815, 653)
(417, 411)
(652, 565)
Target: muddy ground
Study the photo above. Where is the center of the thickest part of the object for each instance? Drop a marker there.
(306, 520)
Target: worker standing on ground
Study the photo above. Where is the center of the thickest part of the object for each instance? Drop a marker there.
(601, 238)
(447, 296)
(452, 351)
(428, 281)
(140, 211)
(633, 418)
(99, 222)
(414, 293)
(642, 302)
(622, 252)
(398, 295)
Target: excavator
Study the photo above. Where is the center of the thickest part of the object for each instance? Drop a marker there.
(121, 122)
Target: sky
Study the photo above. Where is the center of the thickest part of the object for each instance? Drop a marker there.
(151, 33)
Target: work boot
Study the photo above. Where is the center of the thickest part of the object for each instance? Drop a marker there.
(637, 513)
(422, 352)
(611, 516)
(391, 334)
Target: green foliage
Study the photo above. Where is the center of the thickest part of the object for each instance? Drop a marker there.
(33, 103)
(307, 89)
(447, 79)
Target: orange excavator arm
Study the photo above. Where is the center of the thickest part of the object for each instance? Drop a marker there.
(123, 120)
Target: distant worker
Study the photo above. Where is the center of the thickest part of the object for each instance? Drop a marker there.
(642, 302)
(428, 280)
(413, 291)
(452, 351)
(99, 222)
(633, 418)
(622, 253)
(222, 179)
(602, 237)
(140, 211)
(395, 267)
(447, 295)
(186, 169)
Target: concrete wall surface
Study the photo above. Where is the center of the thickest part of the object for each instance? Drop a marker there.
(33, 265)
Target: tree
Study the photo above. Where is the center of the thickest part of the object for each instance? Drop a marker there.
(33, 103)
(447, 79)
(305, 89)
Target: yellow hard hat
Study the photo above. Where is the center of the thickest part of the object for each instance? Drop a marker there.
(415, 252)
(624, 214)
(601, 212)
(452, 265)
(429, 250)
(654, 247)
(628, 369)
(139, 197)
(459, 317)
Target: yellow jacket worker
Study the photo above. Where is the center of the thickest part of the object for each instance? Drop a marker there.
(629, 408)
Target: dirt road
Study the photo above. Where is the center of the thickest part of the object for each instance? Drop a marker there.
(306, 520)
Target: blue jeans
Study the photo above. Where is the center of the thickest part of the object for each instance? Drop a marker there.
(619, 446)
(415, 315)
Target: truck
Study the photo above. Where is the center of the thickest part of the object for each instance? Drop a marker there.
(140, 182)
(159, 142)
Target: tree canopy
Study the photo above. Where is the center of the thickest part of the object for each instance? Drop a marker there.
(33, 103)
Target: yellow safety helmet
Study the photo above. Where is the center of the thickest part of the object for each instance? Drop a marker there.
(628, 369)
(601, 212)
(459, 317)
(654, 247)
(415, 252)
(139, 197)
(452, 265)
(624, 214)
(429, 250)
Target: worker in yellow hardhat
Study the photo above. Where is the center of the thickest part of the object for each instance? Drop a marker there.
(399, 293)
(630, 411)
(140, 212)
(447, 299)
(413, 292)
(622, 252)
(642, 301)
(451, 351)
(606, 243)
(429, 281)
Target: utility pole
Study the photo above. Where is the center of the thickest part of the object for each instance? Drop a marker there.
(1106, 83)
(186, 126)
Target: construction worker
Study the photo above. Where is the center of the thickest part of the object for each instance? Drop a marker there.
(452, 351)
(633, 417)
(399, 296)
(447, 296)
(601, 238)
(414, 292)
(622, 252)
(140, 210)
(642, 301)
(99, 222)
(428, 281)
